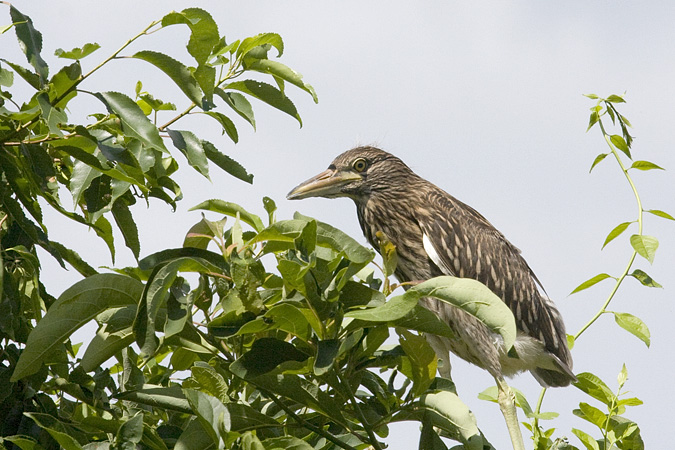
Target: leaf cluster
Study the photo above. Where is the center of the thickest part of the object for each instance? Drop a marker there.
(294, 358)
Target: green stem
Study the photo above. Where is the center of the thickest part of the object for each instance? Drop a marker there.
(371, 435)
(310, 426)
(624, 274)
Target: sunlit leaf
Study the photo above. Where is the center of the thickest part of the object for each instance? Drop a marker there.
(231, 209)
(586, 439)
(620, 143)
(595, 387)
(590, 282)
(645, 246)
(597, 160)
(660, 213)
(633, 325)
(616, 232)
(645, 165)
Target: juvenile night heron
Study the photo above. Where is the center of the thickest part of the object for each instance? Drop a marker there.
(436, 234)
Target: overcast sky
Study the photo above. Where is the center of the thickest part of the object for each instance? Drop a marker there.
(483, 98)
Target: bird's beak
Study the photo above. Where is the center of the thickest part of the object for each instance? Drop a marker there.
(326, 184)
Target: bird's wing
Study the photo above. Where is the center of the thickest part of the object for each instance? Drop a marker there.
(462, 243)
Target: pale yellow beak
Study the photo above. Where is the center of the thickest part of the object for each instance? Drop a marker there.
(326, 184)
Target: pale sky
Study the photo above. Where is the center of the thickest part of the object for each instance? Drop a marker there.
(482, 98)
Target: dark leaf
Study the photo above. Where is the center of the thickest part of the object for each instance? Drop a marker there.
(30, 41)
(645, 279)
(268, 94)
(134, 121)
(75, 307)
(265, 355)
(192, 148)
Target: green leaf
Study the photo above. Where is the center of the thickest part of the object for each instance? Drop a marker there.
(226, 123)
(474, 298)
(127, 226)
(226, 163)
(595, 387)
(645, 279)
(268, 94)
(272, 39)
(620, 143)
(590, 282)
(62, 433)
(130, 432)
(233, 210)
(632, 401)
(30, 41)
(77, 53)
(645, 246)
(633, 325)
(239, 104)
(597, 160)
(204, 31)
(593, 120)
(195, 437)
(75, 307)
(171, 398)
(645, 165)
(284, 72)
(6, 77)
(104, 346)
(26, 74)
(211, 412)
(156, 293)
(327, 351)
(396, 308)
(283, 316)
(177, 71)
(446, 411)
(586, 439)
(265, 355)
(286, 443)
(210, 381)
(623, 376)
(615, 99)
(134, 121)
(51, 115)
(192, 148)
(616, 232)
(422, 320)
(422, 360)
(660, 213)
(591, 414)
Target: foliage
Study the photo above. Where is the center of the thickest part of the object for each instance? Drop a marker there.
(616, 430)
(289, 358)
(254, 334)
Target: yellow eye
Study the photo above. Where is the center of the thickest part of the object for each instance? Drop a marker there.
(360, 164)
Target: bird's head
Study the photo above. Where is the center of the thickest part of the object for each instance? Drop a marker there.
(356, 173)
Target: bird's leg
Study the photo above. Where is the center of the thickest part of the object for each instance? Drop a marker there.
(507, 403)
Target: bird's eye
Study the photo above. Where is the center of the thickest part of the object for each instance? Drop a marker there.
(360, 164)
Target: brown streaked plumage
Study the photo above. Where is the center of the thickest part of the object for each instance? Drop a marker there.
(436, 234)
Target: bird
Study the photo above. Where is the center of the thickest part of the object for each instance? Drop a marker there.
(436, 234)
